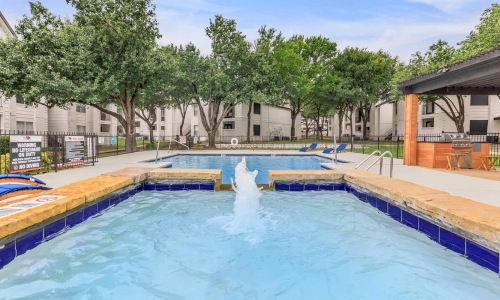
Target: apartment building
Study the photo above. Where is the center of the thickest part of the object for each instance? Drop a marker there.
(267, 122)
(482, 115)
(379, 124)
(168, 123)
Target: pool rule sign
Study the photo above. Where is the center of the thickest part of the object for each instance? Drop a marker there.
(25, 153)
(75, 150)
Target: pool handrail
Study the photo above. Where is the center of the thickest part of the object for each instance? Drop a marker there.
(381, 159)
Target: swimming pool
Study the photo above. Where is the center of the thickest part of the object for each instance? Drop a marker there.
(175, 245)
(262, 163)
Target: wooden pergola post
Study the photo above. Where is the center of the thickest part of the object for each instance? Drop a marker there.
(411, 129)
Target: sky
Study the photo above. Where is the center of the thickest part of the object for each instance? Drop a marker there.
(400, 27)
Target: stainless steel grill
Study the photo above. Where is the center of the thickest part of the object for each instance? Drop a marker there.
(457, 139)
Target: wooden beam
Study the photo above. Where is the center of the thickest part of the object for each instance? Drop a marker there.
(465, 91)
(411, 129)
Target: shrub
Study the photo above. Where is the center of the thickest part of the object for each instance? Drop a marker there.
(5, 163)
(4, 144)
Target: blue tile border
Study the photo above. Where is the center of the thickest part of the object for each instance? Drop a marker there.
(267, 155)
(301, 186)
(482, 256)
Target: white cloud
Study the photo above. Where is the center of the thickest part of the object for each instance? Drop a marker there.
(399, 37)
(445, 5)
(194, 5)
(181, 28)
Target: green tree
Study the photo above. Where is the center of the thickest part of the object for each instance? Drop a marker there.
(299, 63)
(223, 86)
(103, 57)
(368, 76)
(262, 79)
(485, 37)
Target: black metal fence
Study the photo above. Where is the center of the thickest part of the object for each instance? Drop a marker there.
(53, 151)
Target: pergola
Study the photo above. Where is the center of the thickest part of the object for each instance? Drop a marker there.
(479, 75)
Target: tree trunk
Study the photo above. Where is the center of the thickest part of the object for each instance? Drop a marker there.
(249, 118)
(130, 145)
(183, 110)
(292, 128)
(182, 125)
(151, 135)
(211, 139)
(341, 117)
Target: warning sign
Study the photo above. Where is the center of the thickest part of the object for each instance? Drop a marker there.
(74, 149)
(25, 153)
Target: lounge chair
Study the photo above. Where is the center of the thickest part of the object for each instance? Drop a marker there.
(8, 190)
(311, 147)
(340, 148)
(19, 178)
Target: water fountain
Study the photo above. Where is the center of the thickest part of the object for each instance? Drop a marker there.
(248, 216)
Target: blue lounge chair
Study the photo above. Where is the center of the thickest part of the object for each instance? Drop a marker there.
(340, 148)
(8, 188)
(19, 178)
(311, 147)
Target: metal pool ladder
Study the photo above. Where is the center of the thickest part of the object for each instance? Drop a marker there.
(380, 158)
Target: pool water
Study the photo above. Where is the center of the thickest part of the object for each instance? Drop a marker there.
(174, 245)
(262, 163)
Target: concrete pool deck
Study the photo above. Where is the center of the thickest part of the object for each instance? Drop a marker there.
(458, 183)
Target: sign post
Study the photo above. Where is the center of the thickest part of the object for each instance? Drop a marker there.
(25, 153)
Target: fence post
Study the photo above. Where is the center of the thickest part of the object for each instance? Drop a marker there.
(55, 146)
(397, 147)
(378, 143)
(93, 148)
(117, 143)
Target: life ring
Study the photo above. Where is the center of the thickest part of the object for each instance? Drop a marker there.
(234, 142)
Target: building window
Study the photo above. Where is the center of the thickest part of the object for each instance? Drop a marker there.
(24, 126)
(80, 128)
(479, 100)
(105, 128)
(478, 126)
(154, 127)
(358, 116)
(81, 109)
(195, 130)
(162, 127)
(256, 130)
(428, 108)
(358, 128)
(256, 108)
(20, 99)
(195, 110)
(230, 113)
(428, 123)
(137, 124)
(162, 115)
(104, 116)
(228, 125)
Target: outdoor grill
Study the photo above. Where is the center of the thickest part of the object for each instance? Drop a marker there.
(460, 142)
(457, 139)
